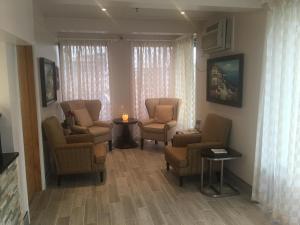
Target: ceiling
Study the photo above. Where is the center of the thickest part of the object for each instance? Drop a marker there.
(143, 9)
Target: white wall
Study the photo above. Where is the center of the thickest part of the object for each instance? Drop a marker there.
(16, 18)
(11, 131)
(120, 62)
(5, 120)
(16, 27)
(46, 47)
(249, 39)
(124, 26)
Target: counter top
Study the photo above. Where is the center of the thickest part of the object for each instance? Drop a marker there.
(6, 159)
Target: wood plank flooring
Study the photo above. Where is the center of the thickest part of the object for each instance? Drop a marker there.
(137, 190)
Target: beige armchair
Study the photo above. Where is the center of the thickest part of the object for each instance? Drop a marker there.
(185, 155)
(73, 154)
(87, 119)
(162, 122)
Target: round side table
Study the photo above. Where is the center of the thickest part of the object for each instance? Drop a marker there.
(125, 140)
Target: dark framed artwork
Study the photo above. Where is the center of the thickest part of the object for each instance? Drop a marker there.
(48, 81)
(57, 78)
(225, 80)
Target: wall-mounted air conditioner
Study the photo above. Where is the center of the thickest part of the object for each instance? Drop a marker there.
(217, 36)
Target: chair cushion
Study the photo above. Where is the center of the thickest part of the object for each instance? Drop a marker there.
(164, 113)
(98, 131)
(100, 153)
(155, 127)
(176, 156)
(83, 117)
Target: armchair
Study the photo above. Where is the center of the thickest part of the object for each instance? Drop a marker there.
(73, 154)
(87, 120)
(185, 155)
(162, 122)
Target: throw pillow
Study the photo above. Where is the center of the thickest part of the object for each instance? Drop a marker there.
(83, 117)
(164, 113)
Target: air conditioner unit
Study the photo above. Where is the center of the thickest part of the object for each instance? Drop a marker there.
(217, 36)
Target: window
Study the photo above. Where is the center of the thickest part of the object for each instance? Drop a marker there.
(85, 73)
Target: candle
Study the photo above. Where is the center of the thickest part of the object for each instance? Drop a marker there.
(125, 117)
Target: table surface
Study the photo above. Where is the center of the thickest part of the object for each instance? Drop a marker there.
(129, 121)
(231, 154)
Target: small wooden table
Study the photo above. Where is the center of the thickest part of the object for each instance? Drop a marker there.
(125, 140)
(212, 157)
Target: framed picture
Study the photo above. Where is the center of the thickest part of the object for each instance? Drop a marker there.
(57, 78)
(225, 80)
(48, 81)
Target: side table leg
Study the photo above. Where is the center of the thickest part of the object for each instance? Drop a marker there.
(202, 173)
(210, 172)
(221, 176)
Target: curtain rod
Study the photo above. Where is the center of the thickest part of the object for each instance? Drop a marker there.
(111, 39)
(87, 39)
(132, 39)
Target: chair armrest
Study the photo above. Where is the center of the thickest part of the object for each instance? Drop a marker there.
(87, 145)
(182, 140)
(171, 124)
(145, 122)
(79, 130)
(103, 124)
(79, 138)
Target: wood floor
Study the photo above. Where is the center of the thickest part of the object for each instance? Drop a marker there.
(138, 190)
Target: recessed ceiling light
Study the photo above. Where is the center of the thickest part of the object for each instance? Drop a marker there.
(182, 12)
(103, 9)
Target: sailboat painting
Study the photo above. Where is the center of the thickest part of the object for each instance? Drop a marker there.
(225, 80)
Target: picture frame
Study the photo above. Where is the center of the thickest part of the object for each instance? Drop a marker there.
(48, 81)
(225, 80)
(57, 78)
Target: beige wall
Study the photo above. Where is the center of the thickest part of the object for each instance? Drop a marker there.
(248, 39)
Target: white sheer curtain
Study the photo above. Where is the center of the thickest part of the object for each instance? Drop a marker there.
(152, 74)
(277, 165)
(164, 69)
(84, 72)
(185, 83)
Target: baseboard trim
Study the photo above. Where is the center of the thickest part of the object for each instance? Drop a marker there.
(238, 182)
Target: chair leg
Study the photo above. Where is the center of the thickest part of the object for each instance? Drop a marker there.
(156, 142)
(101, 176)
(180, 181)
(110, 145)
(142, 143)
(58, 180)
(168, 166)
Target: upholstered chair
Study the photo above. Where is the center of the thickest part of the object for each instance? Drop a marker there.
(162, 122)
(87, 119)
(73, 154)
(185, 155)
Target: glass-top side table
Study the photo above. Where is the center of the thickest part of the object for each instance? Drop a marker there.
(213, 157)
